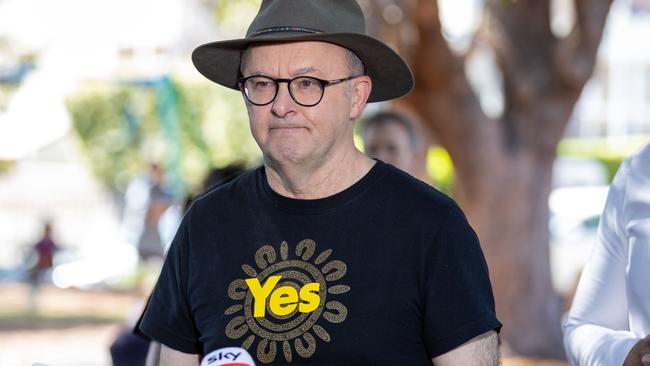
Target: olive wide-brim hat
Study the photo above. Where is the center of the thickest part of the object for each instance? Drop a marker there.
(340, 22)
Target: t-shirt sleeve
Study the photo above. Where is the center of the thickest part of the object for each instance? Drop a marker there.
(459, 304)
(168, 318)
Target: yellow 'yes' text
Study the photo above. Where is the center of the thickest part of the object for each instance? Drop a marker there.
(282, 300)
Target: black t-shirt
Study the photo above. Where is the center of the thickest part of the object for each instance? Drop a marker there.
(385, 272)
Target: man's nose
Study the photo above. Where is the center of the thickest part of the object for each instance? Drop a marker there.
(283, 104)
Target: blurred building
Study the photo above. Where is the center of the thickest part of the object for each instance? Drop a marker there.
(71, 41)
(46, 50)
(616, 101)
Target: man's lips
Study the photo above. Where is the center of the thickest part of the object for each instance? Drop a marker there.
(285, 127)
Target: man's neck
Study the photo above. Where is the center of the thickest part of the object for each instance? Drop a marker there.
(327, 179)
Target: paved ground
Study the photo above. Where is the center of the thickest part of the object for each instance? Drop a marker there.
(66, 327)
(73, 346)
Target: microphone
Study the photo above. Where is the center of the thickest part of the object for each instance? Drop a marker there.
(229, 356)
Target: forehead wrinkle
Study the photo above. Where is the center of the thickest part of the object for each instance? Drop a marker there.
(299, 72)
(306, 70)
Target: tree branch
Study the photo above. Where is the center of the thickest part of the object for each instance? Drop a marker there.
(574, 60)
(520, 34)
(575, 55)
(444, 98)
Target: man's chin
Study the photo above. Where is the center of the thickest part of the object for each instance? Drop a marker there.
(290, 156)
(287, 155)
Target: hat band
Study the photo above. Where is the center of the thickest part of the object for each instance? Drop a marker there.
(284, 29)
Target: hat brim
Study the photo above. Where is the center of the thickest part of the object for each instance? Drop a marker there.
(391, 76)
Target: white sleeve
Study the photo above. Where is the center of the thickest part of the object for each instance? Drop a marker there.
(597, 329)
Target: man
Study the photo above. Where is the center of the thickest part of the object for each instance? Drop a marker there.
(322, 256)
(391, 138)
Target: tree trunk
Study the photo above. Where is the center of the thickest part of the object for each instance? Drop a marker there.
(504, 166)
(511, 216)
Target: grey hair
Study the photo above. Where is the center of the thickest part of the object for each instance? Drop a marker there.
(242, 60)
(355, 66)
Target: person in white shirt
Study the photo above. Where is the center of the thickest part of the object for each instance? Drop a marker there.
(609, 321)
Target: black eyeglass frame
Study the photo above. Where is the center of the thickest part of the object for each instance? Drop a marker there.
(322, 82)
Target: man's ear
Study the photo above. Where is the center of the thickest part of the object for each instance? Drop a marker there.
(360, 90)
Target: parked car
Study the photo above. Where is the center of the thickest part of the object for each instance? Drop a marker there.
(574, 217)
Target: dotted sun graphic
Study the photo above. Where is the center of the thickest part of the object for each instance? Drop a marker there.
(289, 279)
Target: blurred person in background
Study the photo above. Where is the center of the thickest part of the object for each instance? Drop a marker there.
(393, 138)
(146, 200)
(217, 177)
(43, 252)
(609, 321)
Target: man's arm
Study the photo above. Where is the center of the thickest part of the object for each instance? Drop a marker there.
(480, 351)
(172, 357)
(597, 329)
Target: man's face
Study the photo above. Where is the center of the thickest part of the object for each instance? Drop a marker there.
(288, 132)
(390, 143)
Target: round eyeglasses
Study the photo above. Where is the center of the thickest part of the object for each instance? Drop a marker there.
(304, 90)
